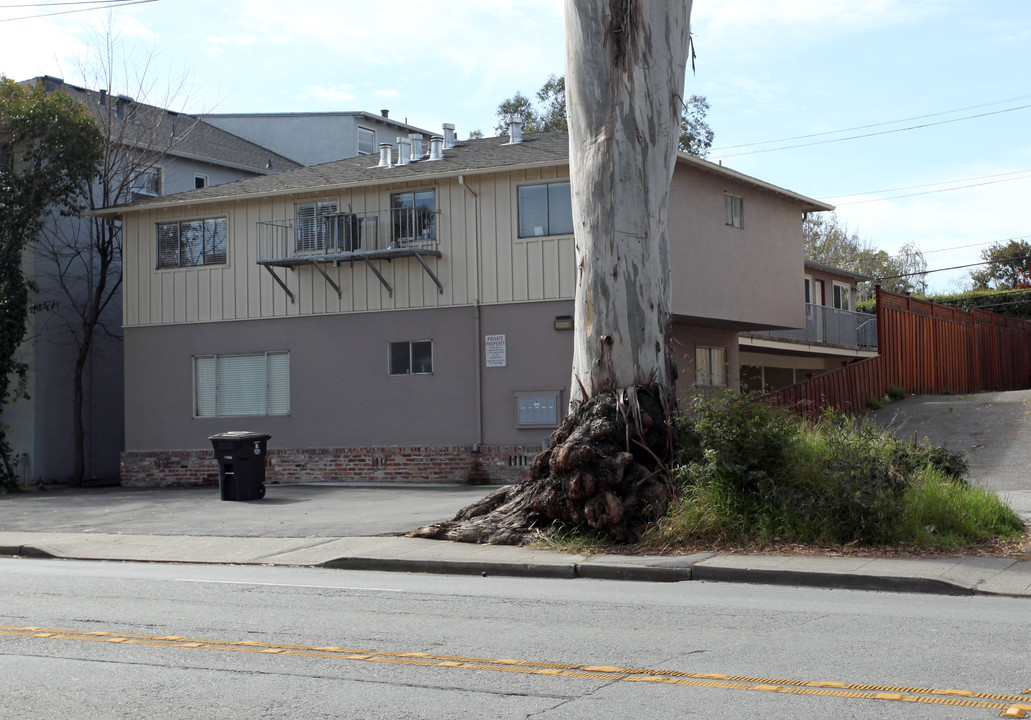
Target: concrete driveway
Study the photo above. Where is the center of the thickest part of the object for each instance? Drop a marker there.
(992, 429)
(317, 510)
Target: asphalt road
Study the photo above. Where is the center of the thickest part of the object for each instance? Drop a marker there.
(117, 640)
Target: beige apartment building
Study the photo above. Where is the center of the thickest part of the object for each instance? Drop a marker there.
(408, 317)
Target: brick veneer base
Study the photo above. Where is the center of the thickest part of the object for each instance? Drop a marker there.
(426, 464)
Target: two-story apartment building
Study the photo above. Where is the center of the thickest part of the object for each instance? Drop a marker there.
(403, 319)
(834, 333)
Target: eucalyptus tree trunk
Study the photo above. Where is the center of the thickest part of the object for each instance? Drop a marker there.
(625, 62)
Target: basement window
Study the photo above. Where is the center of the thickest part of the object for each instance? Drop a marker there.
(411, 357)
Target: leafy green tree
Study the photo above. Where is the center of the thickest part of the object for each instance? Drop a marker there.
(829, 241)
(548, 113)
(1009, 267)
(49, 147)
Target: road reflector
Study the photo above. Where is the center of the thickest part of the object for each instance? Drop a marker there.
(1015, 712)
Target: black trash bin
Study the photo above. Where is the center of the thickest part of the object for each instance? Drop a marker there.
(241, 464)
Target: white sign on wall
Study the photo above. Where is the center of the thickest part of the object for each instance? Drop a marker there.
(495, 350)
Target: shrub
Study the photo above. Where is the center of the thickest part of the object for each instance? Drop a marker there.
(896, 393)
(749, 471)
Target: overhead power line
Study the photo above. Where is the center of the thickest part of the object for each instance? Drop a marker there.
(955, 267)
(934, 192)
(871, 125)
(881, 132)
(99, 5)
(914, 187)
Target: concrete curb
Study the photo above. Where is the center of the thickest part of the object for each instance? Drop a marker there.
(832, 581)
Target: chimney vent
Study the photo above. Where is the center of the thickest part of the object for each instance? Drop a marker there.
(103, 97)
(515, 129)
(385, 113)
(436, 147)
(417, 151)
(404, 151)
(449, 135)
(384, 155)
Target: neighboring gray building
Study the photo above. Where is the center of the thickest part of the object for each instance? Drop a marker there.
(314, 138)
(197, 155)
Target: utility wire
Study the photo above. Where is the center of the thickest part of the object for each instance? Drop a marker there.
(931, 192)
(914, 187)
(872, 125)
(69, 12)
(955, 267)
(874, 134)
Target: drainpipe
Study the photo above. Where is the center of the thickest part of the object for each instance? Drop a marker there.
(476, 314)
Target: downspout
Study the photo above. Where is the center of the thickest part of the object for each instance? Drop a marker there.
(476, 314)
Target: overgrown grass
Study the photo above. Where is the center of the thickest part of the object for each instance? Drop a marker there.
(748, 472)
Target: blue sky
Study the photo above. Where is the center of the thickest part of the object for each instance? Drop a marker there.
(771, 69)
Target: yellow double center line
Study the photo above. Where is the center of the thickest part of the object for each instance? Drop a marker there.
(1012, 705)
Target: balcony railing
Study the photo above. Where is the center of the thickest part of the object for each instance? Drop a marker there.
(348, 237)
(829, 326)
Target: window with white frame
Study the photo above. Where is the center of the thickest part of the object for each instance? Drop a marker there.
(710, 366)
(366, 141)
(190, 243)
(313, 225)
(200, 181)
(545, 209)
(412, 216)
(734, 206)
(241, 385)
(842, 296)
(412, 357)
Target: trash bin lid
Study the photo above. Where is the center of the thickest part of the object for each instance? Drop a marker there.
(243, 435)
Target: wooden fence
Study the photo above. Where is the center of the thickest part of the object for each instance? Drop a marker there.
(927, 349)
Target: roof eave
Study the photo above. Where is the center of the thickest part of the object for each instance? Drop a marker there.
(808, 204)
(453, 173)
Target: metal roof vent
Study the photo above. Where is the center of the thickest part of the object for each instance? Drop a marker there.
(515, 129)
(384, 154)
(449, 135)
(436, 147)
(417, 151)
(404, 151)
(385, 113)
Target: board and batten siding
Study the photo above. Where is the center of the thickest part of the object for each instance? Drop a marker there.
(482, 258)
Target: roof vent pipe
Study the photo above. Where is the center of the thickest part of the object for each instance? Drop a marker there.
(515, 129)
(417, 150)
(436, 147)
(384, 154)
(449, 135)
(385, 113)
(404, 151)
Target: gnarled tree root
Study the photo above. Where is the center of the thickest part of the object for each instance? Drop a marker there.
(603, 471)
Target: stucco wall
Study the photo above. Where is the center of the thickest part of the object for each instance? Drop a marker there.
(749, 277)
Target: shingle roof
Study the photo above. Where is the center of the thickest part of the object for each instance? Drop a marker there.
(150, 127)
(467, 157)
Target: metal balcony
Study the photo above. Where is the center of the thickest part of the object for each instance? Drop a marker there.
(348, 237)
(829, 326)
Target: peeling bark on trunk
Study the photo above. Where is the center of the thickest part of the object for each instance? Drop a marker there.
(625, 62)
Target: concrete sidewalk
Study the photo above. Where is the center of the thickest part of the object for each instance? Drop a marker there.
(360, 527)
